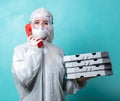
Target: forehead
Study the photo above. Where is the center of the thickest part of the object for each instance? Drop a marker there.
(42, 19)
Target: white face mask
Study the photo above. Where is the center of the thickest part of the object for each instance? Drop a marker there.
(44, 33)
(40, 32)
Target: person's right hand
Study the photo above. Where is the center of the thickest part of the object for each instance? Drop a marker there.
(35, 41)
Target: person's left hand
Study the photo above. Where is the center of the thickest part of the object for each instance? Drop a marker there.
(82, 80)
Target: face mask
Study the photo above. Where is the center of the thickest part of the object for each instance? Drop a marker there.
(40, 32)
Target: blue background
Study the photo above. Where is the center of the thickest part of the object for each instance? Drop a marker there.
(81, 26)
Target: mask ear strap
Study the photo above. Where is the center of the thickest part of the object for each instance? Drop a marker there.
(28, 29)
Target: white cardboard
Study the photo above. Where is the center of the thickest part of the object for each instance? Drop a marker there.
(88, 68)
(87, 62)
(85, 56)
(89, 74)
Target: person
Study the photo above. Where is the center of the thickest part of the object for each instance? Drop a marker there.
(39, 72)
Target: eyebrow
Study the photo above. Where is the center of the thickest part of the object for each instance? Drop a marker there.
(39, 20)
(36, 20)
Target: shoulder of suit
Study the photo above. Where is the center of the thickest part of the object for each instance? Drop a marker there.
(21, 47)
(60, 50)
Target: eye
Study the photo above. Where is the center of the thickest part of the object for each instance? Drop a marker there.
(36, 22)
(46, 23)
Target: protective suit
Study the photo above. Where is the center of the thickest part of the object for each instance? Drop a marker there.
(39, 73)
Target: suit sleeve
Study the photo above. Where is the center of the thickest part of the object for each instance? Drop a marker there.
(71, 86)
(26, 64)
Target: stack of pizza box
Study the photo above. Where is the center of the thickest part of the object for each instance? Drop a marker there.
(88, 65)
